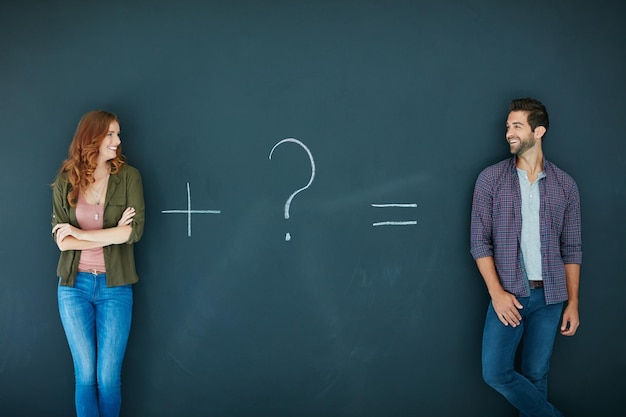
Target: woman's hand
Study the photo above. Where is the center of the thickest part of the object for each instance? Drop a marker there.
(90, 239)
(64, 230)
(127, 217)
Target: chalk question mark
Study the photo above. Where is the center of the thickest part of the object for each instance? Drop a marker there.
(288, 203)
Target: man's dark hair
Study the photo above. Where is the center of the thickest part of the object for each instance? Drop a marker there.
(537, 113)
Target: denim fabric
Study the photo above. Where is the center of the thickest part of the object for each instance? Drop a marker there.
(96, 320)
(526, 390)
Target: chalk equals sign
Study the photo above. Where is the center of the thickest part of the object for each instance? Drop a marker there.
(395, 223)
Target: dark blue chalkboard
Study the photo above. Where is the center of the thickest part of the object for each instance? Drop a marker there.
(398, 102)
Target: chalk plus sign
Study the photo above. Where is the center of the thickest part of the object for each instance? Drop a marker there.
(189, 211)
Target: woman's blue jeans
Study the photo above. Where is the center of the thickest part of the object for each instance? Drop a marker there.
(96, 319)
(526, 390)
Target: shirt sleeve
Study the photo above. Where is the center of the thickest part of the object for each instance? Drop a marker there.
(60, 209)
(571, 236)
(135, 199)
(481, 243)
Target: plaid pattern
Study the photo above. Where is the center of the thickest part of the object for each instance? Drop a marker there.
(496, 226)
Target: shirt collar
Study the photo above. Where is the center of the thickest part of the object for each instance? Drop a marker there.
(513, 164)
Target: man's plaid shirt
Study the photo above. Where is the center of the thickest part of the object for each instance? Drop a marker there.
(496, 226)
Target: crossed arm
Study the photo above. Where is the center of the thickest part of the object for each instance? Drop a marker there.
(69, 237)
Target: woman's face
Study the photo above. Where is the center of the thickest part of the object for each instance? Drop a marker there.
(110, 143)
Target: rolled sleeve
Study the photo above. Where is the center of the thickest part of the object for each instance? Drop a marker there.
(571, 236)
(60, 206)
(481, 244)
(136, 200)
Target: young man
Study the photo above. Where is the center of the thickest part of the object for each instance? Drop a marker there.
(526, 240)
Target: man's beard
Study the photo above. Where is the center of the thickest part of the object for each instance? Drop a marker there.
(524, 145)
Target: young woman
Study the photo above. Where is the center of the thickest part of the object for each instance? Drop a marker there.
(98, 213)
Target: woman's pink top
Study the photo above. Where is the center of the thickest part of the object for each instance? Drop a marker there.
(89, 217)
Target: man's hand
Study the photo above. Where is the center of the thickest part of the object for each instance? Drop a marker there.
(571, 320)
(507, 308)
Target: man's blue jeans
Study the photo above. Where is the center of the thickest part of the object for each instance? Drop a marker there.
(96, 319)
(526, 390)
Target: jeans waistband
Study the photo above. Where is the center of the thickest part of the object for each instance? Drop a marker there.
(91, 271)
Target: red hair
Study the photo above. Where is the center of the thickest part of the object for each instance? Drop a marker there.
(84, 149)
